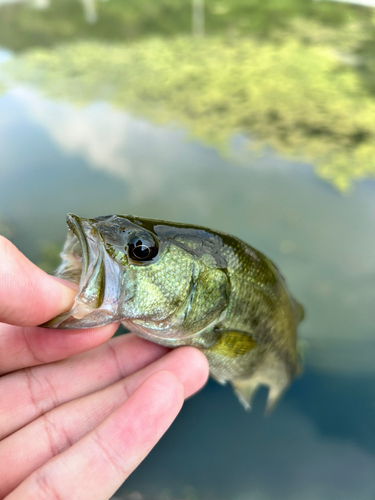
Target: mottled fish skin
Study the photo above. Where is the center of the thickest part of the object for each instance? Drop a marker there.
(179, 284)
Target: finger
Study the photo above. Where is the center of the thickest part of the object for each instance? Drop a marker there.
(98, 464)
(60, 428)
(22, 347)
(28, 394)
(29, 296)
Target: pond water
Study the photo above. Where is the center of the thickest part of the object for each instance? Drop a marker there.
(257, 119)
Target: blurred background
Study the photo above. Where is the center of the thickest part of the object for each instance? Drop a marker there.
(254, 117)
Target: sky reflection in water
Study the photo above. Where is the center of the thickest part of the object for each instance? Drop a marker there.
(57, 157)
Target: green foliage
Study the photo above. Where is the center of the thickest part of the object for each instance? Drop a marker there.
(303, 99)
(22, 26)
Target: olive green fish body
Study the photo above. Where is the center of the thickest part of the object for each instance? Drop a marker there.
(177, 284)
(257, 341)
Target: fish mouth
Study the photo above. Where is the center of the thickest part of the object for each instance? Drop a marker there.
(85, 262)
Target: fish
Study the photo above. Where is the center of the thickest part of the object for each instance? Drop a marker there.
(186, 285)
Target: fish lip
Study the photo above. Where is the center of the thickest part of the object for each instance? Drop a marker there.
(74, 224)
(92, 277)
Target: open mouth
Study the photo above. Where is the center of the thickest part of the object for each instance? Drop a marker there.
(77, 253)
(83, 262)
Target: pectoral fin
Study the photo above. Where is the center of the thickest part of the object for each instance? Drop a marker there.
(228, 352)
(233, 343)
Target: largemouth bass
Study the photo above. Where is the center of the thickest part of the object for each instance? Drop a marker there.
(178, 284)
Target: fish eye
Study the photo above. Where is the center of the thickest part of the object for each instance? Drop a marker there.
(142, 248)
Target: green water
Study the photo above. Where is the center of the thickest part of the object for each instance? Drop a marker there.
(264, 128)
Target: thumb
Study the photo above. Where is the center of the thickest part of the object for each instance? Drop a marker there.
(28, 295)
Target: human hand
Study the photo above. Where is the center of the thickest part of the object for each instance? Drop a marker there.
(75, 424)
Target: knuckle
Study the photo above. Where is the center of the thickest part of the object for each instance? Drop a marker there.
(29, 345)
(45, 489)
(41, 392)
(113, 352)
(56, 435)
(110, 456)
(31, 383)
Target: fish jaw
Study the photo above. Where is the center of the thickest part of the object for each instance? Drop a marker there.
(86, 262)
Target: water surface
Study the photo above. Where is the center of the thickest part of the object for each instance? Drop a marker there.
(178, 142)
